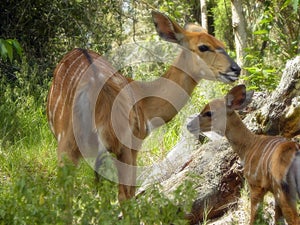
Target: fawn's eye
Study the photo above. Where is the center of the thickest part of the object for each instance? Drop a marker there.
(208, 114)
(203, 48)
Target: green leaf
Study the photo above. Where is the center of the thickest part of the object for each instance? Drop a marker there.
(17, 47)
(3, 50)
(9, 49)
(259, 32)
(293, 3)
(285, 4)
(266, 20)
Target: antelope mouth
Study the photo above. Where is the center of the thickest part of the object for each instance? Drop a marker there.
(229, 77)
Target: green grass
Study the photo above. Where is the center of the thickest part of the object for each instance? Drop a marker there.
(34, 190)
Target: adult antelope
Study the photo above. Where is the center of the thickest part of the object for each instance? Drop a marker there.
(271, 163)
(93, 107)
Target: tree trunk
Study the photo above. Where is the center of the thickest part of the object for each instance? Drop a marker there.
(239, 30)
(220, 188)
(279, 113)
(204, 22)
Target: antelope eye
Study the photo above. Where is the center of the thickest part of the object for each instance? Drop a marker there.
(208, 114)
(203, 48)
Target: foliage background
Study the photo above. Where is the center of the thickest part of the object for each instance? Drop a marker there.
(35, 34)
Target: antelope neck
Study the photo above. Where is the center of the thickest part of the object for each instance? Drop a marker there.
(166, 95)
(238, 135)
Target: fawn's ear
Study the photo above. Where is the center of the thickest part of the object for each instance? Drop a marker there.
(167, 29)
(237, 98)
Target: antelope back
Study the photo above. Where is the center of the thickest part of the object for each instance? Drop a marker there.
(81, 102)
(67, 76)
(74, 75)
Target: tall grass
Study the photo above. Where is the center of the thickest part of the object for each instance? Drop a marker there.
(34, 192)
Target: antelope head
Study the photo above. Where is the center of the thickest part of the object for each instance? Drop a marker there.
(215, 63)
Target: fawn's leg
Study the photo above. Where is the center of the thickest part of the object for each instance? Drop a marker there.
(256, 196)
(278, 214)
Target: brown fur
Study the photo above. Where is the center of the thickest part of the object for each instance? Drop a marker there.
(75, 76)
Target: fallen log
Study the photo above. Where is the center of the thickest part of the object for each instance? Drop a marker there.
(224, 191)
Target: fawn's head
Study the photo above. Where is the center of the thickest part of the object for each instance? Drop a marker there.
(215, 114)
(195, 39)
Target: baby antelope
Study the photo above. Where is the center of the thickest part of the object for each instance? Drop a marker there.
(270, 163)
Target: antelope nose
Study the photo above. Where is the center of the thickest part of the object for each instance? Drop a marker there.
(235, 68)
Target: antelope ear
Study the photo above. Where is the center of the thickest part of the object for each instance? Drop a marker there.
(237, 98)
(167, 29)
(190, 27)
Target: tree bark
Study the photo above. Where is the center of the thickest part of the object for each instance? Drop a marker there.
(204, 22)
(239, 29)
(225, 187)
(279, 113)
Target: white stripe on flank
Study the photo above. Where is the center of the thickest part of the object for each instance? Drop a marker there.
(59, 68)
(268, 165)
(49, 102)
(55, 106)
(61, 84)
(264, 152)
(265, 157)
(58, 137)
(72, 86)
(51, 127)
(250, 159)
